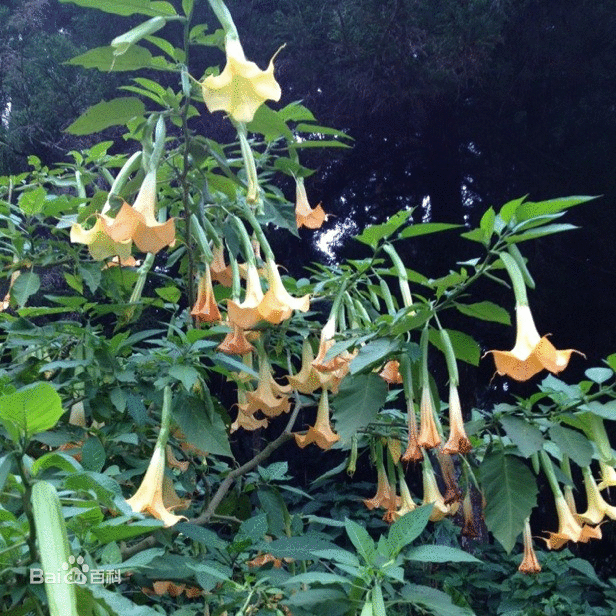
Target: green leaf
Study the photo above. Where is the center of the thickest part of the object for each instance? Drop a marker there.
(406, 529)
(357, 403)
(526, 437)
(25, 285)
(532, 210)
(116, 604)
(107, 113)
(360, 539)
(373, 234)
(426, 228)
(372, 353)
(599, 375)
(509, 209)
(539, 232)
(203, 535)
(486, 224)
(128, 7)
(510, 490)
(32, 201)
(169, 294)
(103, 59)
(435, 600)
(270, 124)
(187, 375)
(572, 443)
(93, 455)
(91, 275)
(120, 529)
(316, 577)
(32, 409)
(486, 311)
(299, 548)
(207, 433)
(464, 347)
(440, 554)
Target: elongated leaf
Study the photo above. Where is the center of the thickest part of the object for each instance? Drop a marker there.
(372, 353)
(357, 403)
(531, 210)
(105, 114)
(93, 455)
(440, 554)
(486, 311)
(511, 494)
(360, 538)
(118, 529)
(300, 548)
(526, 437)
(373, 234)
(408, 528)
(437, 601)
(116, 604)
(572, 443)
(540, 232)
(426, 228)
(316, 577)
(103, 59)
(127, 7)
(205, 432)
(26, 285)
(464, 347)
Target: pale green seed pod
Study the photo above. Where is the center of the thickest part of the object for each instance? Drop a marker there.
(54, 549)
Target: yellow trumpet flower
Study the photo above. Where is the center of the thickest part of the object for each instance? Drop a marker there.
(306, 216)
(321, 434)
(246, 314)
(277, 305)
(429, 436)
(139, 223)
(99, 242)
(242, 87)
(529, 563)
(149, 496)
(531, 353)
(458, 441)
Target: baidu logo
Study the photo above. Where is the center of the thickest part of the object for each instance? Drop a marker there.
(75, 571)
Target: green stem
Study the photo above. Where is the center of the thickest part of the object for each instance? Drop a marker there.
(517, 280)
(253, 195)
(423, 345)
(165, 419)
(224, 17)
(142, 276)
(403, 280)
(548, 469)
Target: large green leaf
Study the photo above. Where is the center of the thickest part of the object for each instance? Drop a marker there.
(440, 554)
(526, 437)
(357, 403)
(360, 538)
(34, 408)
(464, 347)
(202, 430)
(486, 311)
(373, 234)
(128, 7)
(426, 228)
(105, 114)
(25, 285)
(408, 528)
(510, 490)
(103, 59)
(116, 604)
(434, 600)
(572, 443)
(372, 353)
(531, 210)
(119, 529)
(538, 232)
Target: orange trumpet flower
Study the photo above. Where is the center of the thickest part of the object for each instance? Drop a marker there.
(458, 441)
(321, 434)
(306, 216)
(205, 309)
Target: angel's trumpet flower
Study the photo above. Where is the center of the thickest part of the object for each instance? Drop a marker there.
(390, 372)
(221, 272)
(138, 222)
(529, 563)
(321, 433)
(429, 436)
(242, 87)
(100, 244)
(149, 496)
(246, 314)
(308, 379)
(264, 398)
(205, 309)
(277, 305)
(384, 496)
(235, 342)
(531, 353)
(597, 507)
(306, 216)
(458, 441)
(407, 504)
(431, 493)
